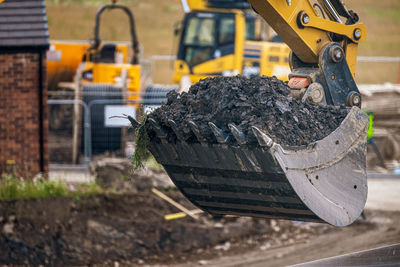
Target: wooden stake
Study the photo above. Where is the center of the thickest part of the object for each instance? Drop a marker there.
(77, 118)
(174, 203)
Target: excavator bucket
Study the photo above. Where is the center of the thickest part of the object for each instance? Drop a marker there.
(323, 182)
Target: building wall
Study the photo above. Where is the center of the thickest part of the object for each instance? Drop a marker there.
(21, 139)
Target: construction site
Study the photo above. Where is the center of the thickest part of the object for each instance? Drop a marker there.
(199, 133)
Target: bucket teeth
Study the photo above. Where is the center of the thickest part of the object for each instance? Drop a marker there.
(175, 129)
(239, 135)
(196, 131)
(221, 137)
(157, 128)
(262, 138)
(135, 124)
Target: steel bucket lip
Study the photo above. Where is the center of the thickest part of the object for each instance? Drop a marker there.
(355, 120)
(335, 150)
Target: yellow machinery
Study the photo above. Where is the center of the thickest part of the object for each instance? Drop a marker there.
(323, 182)
(103, 72)
(324, 38)
(97, 63)
(226, 39)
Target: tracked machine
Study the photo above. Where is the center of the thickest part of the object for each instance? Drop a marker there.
(227, 38)
(324, 181)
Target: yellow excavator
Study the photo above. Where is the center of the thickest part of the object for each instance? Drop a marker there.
(227, 38)
(323, 182)
(222, 39)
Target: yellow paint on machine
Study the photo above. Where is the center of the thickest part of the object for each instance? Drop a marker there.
(105, 73)
(64, 57)
(308, 39)
(248, 58)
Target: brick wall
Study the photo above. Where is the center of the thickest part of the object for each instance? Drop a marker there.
(20, 134)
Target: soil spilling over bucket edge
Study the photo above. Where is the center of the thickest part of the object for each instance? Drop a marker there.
(264, 102)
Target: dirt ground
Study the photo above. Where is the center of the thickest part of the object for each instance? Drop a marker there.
(129, 229)
(125, 228)
(379, 229)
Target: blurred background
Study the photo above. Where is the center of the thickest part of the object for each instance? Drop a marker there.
(155, 20)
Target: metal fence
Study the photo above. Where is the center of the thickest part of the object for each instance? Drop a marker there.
(80, 130)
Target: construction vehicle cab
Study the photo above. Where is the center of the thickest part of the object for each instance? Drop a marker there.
(219, 38)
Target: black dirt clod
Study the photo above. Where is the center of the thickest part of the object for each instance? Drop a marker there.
(264, 102)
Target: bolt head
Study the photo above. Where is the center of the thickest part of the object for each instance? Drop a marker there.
(357, 34)
(306, 19)
(356, 100)
(338, 54)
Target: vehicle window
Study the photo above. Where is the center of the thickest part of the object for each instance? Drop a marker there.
(197, 55)
(199, 39)
(200, 31)
(226, 31)
(250, 29)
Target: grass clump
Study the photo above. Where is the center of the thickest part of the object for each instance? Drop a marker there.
(14, 188)
(142, 139)
(83, 190)
(152, 163)
(141, 153)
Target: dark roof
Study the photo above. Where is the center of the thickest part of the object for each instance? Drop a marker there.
(23, 24)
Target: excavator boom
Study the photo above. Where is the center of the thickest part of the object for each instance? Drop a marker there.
(306, 33)
(324, 47)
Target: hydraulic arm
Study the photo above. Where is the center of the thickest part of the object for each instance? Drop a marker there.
(324, 38)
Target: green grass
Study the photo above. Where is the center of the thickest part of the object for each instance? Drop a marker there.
(152, 163)
(393, 14)
(14, 188)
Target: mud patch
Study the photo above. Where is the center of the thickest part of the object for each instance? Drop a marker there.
(118, 174)
(128, 228)
(264, 102)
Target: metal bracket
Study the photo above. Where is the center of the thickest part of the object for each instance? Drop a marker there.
(333, 74)
(340, 85)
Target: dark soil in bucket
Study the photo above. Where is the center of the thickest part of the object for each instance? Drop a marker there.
(264, 102)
